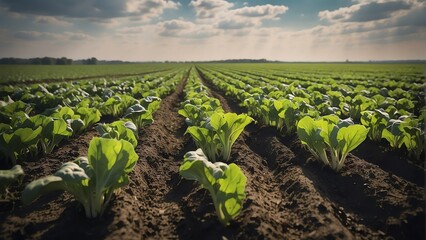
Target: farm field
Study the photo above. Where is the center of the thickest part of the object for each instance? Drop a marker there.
(46, 73)
(296, 188)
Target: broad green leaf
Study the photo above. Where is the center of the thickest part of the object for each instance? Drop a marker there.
(225, 183)
(351, 137)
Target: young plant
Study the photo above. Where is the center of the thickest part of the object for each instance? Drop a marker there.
(54, 131)
(18, 143)
(197, 114)
(205, 139)
(73, 120)
(89, 116)
(376, 121)
(139, 116)
(227, 127)
(394, 133)
(290, 115)
(414, 140)
(225, 183)
(338, 136)
(119, 130)
(218, 134)
(93, 180)
(151, 103)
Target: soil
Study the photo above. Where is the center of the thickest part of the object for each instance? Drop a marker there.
(289, 194)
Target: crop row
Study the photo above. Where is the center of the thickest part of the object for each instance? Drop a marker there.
(283, 103)
(214, 132)
(92, 180)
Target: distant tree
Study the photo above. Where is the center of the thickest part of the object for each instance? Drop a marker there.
(90, 61)
(63, 61)
(48, 61)
(36, 61)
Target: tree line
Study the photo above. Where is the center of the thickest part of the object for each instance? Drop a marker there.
(48, 61)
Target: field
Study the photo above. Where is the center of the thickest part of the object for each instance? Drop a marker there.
(293, 189)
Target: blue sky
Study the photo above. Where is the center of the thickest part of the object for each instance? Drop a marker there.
(143, 30)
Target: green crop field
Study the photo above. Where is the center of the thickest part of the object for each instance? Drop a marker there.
(238, 149)
(28, 73)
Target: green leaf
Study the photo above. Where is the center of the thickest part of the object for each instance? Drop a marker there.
(205, 139)
(111, 160)
(228, 126)
(40, 187)
(351, 137)
(225, 183)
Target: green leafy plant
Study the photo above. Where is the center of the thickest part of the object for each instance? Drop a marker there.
(227, 127)
(219, 133)
(151, 103)
(139, 116)
(414, 140)
(196, 115)
(338, 136)
(376, 121)
(89, 116)
(10, 108)
(119, 130)
(290, 114)
(93, 180)
(225, 183)
(18, 143)
(54, 131)
(394, 133)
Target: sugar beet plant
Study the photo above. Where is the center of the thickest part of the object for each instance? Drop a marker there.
(330, 133)
(225, 183)
(92, 180)
(219, 133)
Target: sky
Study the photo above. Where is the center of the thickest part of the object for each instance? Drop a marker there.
(198, 30)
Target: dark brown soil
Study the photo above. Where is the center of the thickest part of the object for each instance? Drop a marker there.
(289, 195)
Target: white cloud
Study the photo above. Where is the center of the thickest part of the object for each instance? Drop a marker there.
(186, 29)
(235, 23)
(50, 36)
(219, 15)
(262, 11)
(51, 20)
(210, 8)
(149, 8)
(364, 11)
(34, 35)
(77, 36)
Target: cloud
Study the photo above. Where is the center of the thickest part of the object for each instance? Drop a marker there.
(186, 29)
(34, 35)
(38, 36)
(219, 14)
(262, 11)
(77, 36)
(51, 21)
(209, 8)
(91, 8)
(365, 11)
(235, 24)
